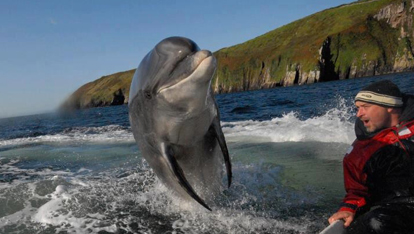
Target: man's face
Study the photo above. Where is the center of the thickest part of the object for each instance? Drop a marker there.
(373, 116)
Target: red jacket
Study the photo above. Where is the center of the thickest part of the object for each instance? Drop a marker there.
(355, 176)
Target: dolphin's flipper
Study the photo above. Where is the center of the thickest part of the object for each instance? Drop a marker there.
(222, 142)
(178, 172)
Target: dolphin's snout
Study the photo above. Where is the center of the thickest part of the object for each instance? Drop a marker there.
(204, 53)
(200, 56)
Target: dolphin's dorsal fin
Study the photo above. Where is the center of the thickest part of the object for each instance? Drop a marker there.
(168, 154)
(222, 142)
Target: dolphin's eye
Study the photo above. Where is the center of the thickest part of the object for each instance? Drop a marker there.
(147, 94)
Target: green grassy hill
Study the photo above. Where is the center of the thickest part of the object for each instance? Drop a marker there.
(361, 39)
(364, 38)
(105, 91)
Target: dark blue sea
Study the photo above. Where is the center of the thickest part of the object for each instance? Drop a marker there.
(82, 172)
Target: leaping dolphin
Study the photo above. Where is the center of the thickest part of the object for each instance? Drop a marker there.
(175, 119)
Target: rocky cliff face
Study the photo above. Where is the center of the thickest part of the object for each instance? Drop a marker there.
(107, 91)
(378, 42)
(397, 16)
(400, 16)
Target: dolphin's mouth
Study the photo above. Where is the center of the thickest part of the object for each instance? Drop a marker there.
(185, 68)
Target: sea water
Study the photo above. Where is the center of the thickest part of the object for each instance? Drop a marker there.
(83, 172)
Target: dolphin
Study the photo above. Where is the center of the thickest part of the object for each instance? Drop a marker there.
(175, 119)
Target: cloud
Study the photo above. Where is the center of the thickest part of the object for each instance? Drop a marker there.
(53, 21)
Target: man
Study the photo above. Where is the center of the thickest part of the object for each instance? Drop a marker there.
(379, 168)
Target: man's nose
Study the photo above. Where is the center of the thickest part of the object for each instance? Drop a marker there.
(359, 113)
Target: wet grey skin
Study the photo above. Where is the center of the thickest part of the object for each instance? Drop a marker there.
(175, 119)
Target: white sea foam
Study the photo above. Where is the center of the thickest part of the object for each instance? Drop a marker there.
(80, 204)
(155, 199)
(334, 126)
(54, 213)
(18, 175)
(105, 134)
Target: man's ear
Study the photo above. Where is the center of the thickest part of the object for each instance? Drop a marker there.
(392, 110)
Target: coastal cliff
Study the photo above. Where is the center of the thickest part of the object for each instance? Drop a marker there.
(105, 91)
(364, 38)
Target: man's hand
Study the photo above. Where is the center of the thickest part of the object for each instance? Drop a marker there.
(347, 216)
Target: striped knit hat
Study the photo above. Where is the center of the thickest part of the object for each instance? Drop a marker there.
(384, 93)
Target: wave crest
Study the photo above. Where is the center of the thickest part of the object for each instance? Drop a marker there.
(336, 125)
(105, 134)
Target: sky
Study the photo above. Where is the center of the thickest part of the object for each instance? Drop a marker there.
(49, 48)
